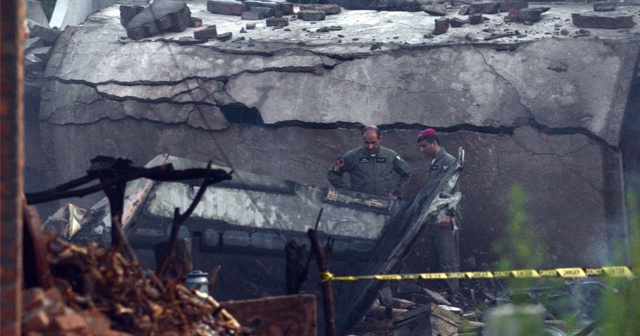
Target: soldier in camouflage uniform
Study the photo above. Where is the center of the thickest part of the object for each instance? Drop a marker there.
(370, 168)
(443, 236)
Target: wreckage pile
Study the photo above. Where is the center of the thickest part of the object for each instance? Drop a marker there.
(98, 291)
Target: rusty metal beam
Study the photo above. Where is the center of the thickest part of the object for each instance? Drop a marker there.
(12, 33)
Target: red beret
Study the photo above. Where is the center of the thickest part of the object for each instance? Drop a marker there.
(429, 132)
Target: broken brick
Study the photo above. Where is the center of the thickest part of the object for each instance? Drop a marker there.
(195, 22)
(251, 25)
(206, 33)
(457, 22)
(285, 7)
(311, 15)
(251, 15)
(226, 7)
(277, 22)
(602, 21)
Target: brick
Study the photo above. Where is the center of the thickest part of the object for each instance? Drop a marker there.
(226, 7)
(277, 22)
(602, 21)
(484, 8)
(70, 322)
(205, 33)
(311, 15)
(441, 26)
(35, 320)
(251, 15)
(475, 19)
(195, 22)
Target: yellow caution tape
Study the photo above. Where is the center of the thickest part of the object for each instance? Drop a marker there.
(573, 272)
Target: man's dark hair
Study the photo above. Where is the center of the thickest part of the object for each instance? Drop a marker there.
(371, 128)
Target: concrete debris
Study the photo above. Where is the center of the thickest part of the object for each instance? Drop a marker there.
(277, 22)
(195, 22)
(602, 20)
(128, 12)
(285, 7)
(267, 12)
(457, 22)
(530, 15)
(251, 26)
(226, 7)
(252, 15)
(352, 4)
(484, 8)
(328, 9)
(397, 5)
(185, 40)
(605, 6)
(205, 33)
(48, 35)
(435, 10)
(509, 5)
(476, 18)
(32, 43)
(311, 15)
(159, 16)
(224, 36)
(442, 25)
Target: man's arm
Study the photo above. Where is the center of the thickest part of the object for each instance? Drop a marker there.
(335, 174)
(402, 168)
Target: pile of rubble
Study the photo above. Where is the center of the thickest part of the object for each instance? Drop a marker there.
(38, 47)
(100, 292)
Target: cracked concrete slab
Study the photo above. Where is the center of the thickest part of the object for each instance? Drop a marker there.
(539, 109)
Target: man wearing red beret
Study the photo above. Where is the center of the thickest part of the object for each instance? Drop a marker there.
(443, 236)
(370, 168)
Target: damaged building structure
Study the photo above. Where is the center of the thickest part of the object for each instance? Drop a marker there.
(540, 96)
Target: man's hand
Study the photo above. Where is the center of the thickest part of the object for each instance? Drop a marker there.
(446, 221)
(393, 197)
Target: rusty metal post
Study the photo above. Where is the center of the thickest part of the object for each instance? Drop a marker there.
(12, 14)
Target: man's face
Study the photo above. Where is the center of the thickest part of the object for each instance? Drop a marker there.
(428, 148)
(371, 142)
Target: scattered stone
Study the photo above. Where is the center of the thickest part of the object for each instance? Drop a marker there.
(287, 29)
(48, 35)
(464, 10)
(442, 25)
(243, 31)
(278, 14)
(428, 36)
(251, 15)
(457, 22)
(327, 9)
(335, 28)
(476, 18)
(564, 32)
(602, 21)
(128, 12)
(376, 46)
(277, 22)
(435, 10)
(226, 7)
(251, 26)
(509, 5)
(469, 38)
(323, 30)
(484, 8)
(195, 22)
(205, 33)
(605, 6)
(159, 16)
(582, 32)
(224, 36)
(286, 8)
(396, 5)
(311, 15)
(42, 53)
